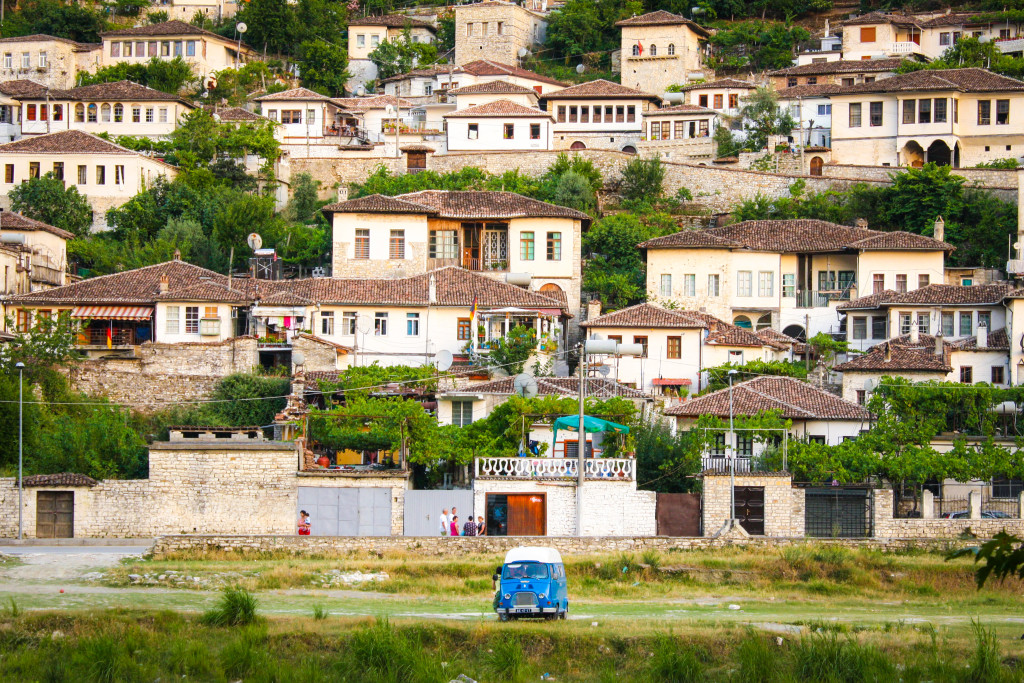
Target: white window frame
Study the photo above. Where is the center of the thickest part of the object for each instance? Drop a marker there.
(380, 324)
(666, 284)
(459, 413)
(714, 285)
(327, 323)
(412, 324)
(766, 283)
(690, 284)
(348, 323)
(745, 283)
(172, 320)
(191, 320)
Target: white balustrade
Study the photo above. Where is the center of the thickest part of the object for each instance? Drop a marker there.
(555, 468)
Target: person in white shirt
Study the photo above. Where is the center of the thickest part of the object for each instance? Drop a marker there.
(444, 522)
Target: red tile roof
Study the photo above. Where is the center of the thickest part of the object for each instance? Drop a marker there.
(599, 90)
(486, 67)
(10, 220)
(935, 295)
(962, 80)
(117, 90)
(377, 203)
(166, 28)
(809, 91)
(843, 66)
(596, 387)
(64, 142)
(680, 109)
(43, 38)
(497, 87)
(722, 83)
(649, 316)
(64, 479)
(797, 400)
(879, 17)
(291, 95)
(391, 21)
(663, 18)
(481, 204)
(228, 114)
(498, 109)
(903, 354)
(23, 88)
(730, 335)
(372, 102)
(998, 340)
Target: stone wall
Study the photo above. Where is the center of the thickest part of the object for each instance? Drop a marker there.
(398, 482)
(994, 178)
(318, 354)
(886, 526)
(783, 504)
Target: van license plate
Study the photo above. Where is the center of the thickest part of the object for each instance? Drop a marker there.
(523, 610)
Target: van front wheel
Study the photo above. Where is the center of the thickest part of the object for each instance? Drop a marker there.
(503, 617)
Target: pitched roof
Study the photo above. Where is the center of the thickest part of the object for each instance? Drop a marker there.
(596, 387)
(796, 400)
(426, 72)
(10, 220)
(648, 316)
(731, 335)
(903, 354)
(498, 109)
(972, 79)
(65, 142)
(841, 66)
(482, 204)
(391, 21)
(377, 203)
(879, 17)
(165, 28)
(498, 87)
(722, 83)
(486, 67)
(207, 290)
(772, 337)
(235, 114)
(24, 88)
(795, 236)
(809, 91)
(662, 18)
(599, 89)
(116, 90)
(372, 102)
(293, 94)
(955, 19)
(868, 301)
(42, 37)
(998, 340)
(680, 109)
(935, 295)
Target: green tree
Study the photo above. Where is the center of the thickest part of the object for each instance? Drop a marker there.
(72, 21)
(245, 400)
(245, 214)
(615, 269)
(323, 67)
(665, 462)
(273, 25)
(642, 180)
(511, 352)
(170, 76)
(574, 191)
(46, 199)
(726, 144)
(755, 45)
(762, 117)
(401, 55)
(445, 32)
(971, 52)
(305, 197)
(585, 30)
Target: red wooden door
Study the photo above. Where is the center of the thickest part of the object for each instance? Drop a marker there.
(527, 515)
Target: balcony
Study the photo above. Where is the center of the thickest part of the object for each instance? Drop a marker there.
(555, 468)
(720, 463)
(821, 298)
(907, 47)
(475, 264)
(1015, 267)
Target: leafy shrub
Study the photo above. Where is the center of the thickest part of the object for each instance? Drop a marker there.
(237, 607)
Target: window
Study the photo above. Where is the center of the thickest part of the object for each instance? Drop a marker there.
(9, 173)
(362, 243)
(510, 131)
(909, 111)
(191, 320)
(126, 49)
(944, 39)
(1004, 33)
(860, 328)
(30, 112)
(878, 327)
(83, 175)
(675, 347)
(966, 374)
(671, 49)
(291, 116)
(165, 48)
(101, 175)
(702, 100)
(655, 130)
(26, 60)
(631, 113)
(396, 245)
(824, 110)
(766, 283)
(744, 445)
(526, 246)
(642, 341)
(554, 246)
(92, 113)
(877, 283)
(861, 396)
(573, 117)
(190, 48)
(561, 113)
(58, 112)
(966, 327)
(163, 115)
(867, 34)
(58, 170)
(33, 169)
(984, 112)
(22, 320)
(855, 115)
(412, 324)
(792, 82)
(985, 320)
(956, 111)
(1002, 112)
(464, 329)
(924, 111)
(136, 114)
(901, 283)
(654, 50)
(940, 110)
(327, 323)
(8, 60)
(923, 323)
(152, 48)
(876, 114)
(947, 325)
(620, 114)
(119, 175)
(462, 413)
(149, 114)
(473, 132)
(718, 102)
(713, 285)
(443, 244)
(171, 323)
(689, 284)
(744, 283)
(998, 375)
(42, 60)
(380, 324)
(140, 49)
(348, 323)
(734, 102)
(535, 131)
(501, 28)
(905, 319)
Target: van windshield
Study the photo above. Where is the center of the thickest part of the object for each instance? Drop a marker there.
(525, 570)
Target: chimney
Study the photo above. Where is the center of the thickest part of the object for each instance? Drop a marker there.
(593, 309)
(861, 223)
(939, 232)
(939, 346)
(177, 254)
(888, 352)
(982, 337)
(915, 334)
(432, 289)
(164, 284)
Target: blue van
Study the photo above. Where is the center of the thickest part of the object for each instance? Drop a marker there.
(531, 584)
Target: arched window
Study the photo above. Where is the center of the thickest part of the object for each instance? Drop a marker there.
(636, 50)
(578, 145)
(118, 112)
(92, 112)
(105, 113)
(80, 113)
(742, 321)
(671, 49)
(629, 149)
(58, 112)
(654, 50)
(764, 322)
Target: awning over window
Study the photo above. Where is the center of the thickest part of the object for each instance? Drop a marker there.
(113, 312)
(670, 382)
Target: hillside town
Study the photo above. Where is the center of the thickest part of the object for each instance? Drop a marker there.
(657, 284)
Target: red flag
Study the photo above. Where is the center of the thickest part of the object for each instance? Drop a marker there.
(110, 342)
(639, 48)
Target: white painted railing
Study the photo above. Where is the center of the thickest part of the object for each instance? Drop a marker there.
(906, 47)
(555, 468)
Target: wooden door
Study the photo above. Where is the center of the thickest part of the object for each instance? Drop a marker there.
(816, 165)
(678, 514)
(55, 514)
(416, 161)
(527, 515)
(750, 509)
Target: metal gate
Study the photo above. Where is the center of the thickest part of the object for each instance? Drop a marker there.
(678, 514)
(347, 512)
(750, 509)
(837, 512)
(423, 510)
(55, 514)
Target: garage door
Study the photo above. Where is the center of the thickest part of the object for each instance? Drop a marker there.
(347, 512)
(55, 514)
(423, 510)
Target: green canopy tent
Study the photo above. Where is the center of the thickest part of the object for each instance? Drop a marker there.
(591, 425)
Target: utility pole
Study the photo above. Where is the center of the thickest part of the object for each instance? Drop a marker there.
(21, 445)
(581, 444)
(732, 459)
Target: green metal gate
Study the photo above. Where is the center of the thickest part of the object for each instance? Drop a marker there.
(837, 512)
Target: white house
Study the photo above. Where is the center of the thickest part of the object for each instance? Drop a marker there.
(367, 33)
(811, 108)
(204, 50)
(599, 115)
(499, 125)
(680, 132)
(725, 96)
(491, 91)
(437, 81)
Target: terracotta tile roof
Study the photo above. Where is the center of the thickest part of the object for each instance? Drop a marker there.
(165, 28)
(417, 148)
(869, 301)
(372, 102)
(795, 236)
(293, 94)
(998, 340)
(43, 38)
(207, 290)
(599, 89)
(954, 19)
(722, 83)
(808, 91)
(596, 387)
(23, 88)
(730, 335)
(235, 114)
(459, 287)
(663, 18)
(486, 67)
(842, 66)
(117, 90)
(680, 109)
(498, 109)
(391, 21)
(649, 316)
(64, 142)
(796, 400)
(481, 204)
(962, 80)
(9, 220)
(903, 356)
(935, 295)
(426, 72)
(879, 17)
(63, 479)
(493, 88)
(776, 339)
(377, 203)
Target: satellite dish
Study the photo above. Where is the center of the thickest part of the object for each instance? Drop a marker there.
(525, 385)
(443, 360)
(241, 27)
(869, 385)
(580, 68)
(216, 117)
(298, 358)
(522, 52)
(389, 110)
(604, 370)
(254, 241)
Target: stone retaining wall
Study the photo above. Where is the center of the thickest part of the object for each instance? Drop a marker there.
(886, 526)
(783, 504)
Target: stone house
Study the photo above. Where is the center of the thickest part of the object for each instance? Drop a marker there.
(952, 117)
(500, 125)
(367, 33)
(107, 174)
(789, 275)
(599, 115)
(679, 132)
(659, 49)
(915, 357)
(497, 31)
(843, 72)
(53, 62)
(431, 84)
(879, 34)
(204, 50)
(38, 253)
(186, 10)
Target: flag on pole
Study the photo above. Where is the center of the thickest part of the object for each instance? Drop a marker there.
(110, 341)
(639, 48)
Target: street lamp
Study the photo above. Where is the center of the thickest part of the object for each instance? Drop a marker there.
(21, 408)
(731, 524)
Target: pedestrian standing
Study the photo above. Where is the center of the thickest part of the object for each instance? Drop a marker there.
(455, 524)
(444, 522)
(305, 526)
(469, 528)
(481, 530)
